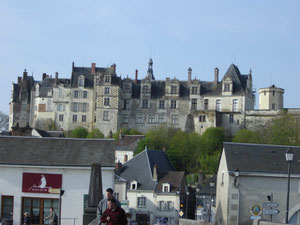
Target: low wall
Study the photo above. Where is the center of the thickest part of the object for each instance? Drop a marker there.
(193, 222)
(261, 222)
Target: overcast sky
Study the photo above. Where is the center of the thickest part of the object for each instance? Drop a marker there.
(47, 36)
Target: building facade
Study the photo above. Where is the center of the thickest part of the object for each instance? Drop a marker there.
(96, 97)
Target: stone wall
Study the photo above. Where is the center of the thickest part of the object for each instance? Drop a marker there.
(193, 222)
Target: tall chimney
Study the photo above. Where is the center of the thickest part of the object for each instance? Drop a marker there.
(136, 76)
(25, 74)
(93, 68)
(44, 76)
(189, 74)
(216, 75)
(19, 80)
(56, 78)
(155, 170)
(114, 67)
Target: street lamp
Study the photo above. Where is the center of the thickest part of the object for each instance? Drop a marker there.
(211, 184)
(187, 204)
(196, 205)
(289, 158)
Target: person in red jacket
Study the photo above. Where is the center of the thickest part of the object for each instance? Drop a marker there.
(114, 215)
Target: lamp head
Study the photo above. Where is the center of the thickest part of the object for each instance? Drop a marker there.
(289, 155)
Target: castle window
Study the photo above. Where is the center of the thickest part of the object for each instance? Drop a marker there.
(234, 105)
(60, 107)
(84, 107)
(80, 82)
(125, 119)
(194, 103)
(106, 90)
(49, 105)
(140, 119)
(173, 90)
(84, 94)
(226, 87)
(105, 116)
(106, 101)
(161, 206)
(60, 117)
(264, 92)
(161, 118)
(161, 104)
(194, 90)
(145, 104)
(273, 106)
(173, 104)
(133, 185)
(170, 205)
(218, 105)
(174, 119)
(107, 79)
(151, 119)
(205, 104)
(273, 92)
(126, 104)
(95, 119)
(145, 89)
(230, 118)
(202, 118)
(74, 106)
(60, 93)
(75, 94)
(74, 118)
(83, 119)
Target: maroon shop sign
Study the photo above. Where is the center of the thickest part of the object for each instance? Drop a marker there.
(41, 183)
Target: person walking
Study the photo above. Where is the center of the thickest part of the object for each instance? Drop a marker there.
(102, 206)
(114, 215)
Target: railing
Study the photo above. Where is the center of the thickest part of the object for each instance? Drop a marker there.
(68, 221)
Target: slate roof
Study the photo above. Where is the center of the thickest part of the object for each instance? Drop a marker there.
(44, 133)
(176, 180)
(140, 168)
(56, 151)
(128, 142)
(260, 158)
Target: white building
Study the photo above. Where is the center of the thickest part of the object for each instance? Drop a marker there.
(153, 189)
(247, 175)
(32, 170)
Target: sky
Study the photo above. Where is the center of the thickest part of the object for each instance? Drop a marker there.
(47, 36)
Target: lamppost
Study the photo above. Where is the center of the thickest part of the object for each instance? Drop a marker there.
(289, 158)
(211, 184)
(196, 205)
(187, 204)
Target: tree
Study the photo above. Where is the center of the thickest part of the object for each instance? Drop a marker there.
(211, 145)
(95, 133)
(247, 136)
(79, 132)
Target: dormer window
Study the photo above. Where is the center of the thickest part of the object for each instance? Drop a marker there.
(165, 187)
(81, 81)
(173, 90)
(145, 89)
(226, 87)
(133, 185)
(194, 90)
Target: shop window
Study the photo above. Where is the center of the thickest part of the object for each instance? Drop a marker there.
(39, 209)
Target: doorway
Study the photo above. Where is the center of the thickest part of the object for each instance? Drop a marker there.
(7, 208)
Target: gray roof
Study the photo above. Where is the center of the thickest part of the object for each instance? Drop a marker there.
(259, 158)
(140, 168)
(128, 142)
(56, 151)
(176, 179)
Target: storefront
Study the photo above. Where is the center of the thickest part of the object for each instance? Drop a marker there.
(36, 188)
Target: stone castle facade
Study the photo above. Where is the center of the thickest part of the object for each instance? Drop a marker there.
(97, 97)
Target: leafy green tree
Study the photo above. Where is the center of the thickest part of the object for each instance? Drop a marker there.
(247, 136)
(126, 131)
(285, 130)
(51, 125)
(211, 145)
(79, 132)
(95, 133)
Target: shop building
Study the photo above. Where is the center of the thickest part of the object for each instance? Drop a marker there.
(34, 170)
